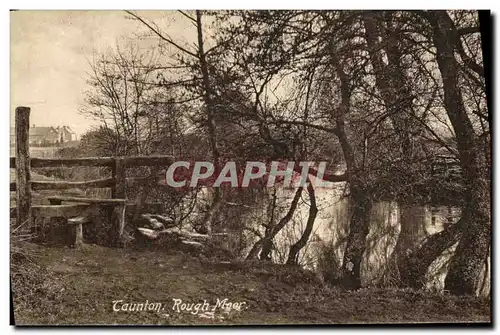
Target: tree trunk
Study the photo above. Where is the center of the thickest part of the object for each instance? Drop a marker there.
(360, 202)
(392, 84)
(267, 247)
(267, 244)
(313, 211)
(271, 233)
(211, 125)
(467, 261)
(413, 267)
(361, 205)
(207, 224)
(254, 252)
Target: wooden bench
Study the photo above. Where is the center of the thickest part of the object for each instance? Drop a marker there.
(75, 224)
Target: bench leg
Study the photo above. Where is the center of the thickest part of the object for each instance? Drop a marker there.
(75, 235)
(117, 226)
(75, 230)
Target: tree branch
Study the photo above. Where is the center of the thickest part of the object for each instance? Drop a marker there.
(160, 35)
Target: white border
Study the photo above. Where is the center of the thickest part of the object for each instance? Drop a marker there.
(147, 4)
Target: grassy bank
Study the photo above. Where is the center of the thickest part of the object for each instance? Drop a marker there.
(80, 286)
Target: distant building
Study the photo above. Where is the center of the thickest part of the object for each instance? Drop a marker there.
(41, 136)
(66, 134)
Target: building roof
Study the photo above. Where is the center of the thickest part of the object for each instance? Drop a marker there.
(42, 131)
(68, 129)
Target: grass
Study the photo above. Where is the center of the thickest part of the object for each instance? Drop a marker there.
(79, 287)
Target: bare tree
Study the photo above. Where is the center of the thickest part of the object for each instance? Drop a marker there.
(122, 96)
(468, 259)
(198, 64)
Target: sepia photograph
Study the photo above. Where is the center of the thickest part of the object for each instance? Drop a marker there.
(250, 167)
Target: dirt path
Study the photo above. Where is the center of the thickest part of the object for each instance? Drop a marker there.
(89, 285)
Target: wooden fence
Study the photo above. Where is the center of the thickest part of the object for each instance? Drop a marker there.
(26, 212)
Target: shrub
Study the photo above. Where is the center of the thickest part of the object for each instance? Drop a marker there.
(30, 281)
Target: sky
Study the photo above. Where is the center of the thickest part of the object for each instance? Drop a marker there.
(49, 57)
(51, 50)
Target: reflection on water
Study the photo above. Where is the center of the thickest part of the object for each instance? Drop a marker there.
(331, 227)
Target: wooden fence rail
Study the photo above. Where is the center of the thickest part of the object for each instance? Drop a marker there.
(66, 185)
(23, 186)
(128, 161)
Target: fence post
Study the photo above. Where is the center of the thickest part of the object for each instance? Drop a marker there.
(118, 190)
(118, 213)
(23, 166)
